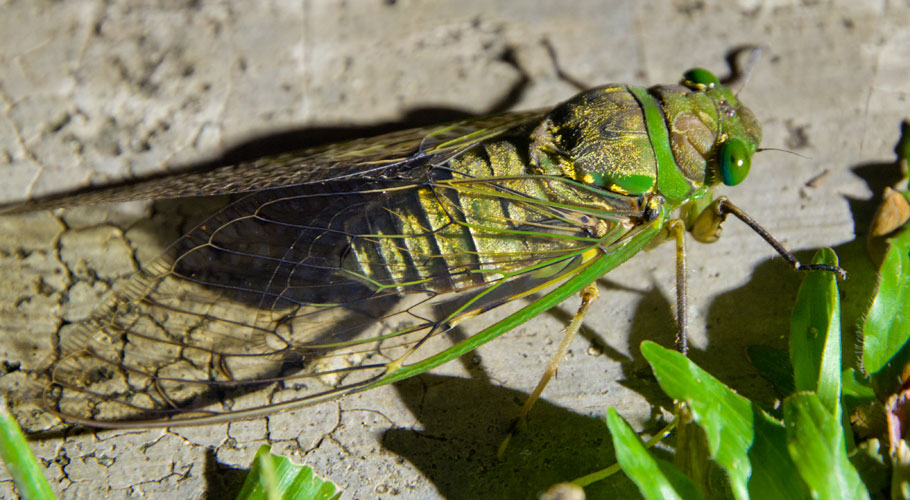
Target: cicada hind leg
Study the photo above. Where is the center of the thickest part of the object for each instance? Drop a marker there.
(588, 296)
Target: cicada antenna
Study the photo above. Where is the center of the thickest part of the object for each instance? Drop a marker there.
(784, 151)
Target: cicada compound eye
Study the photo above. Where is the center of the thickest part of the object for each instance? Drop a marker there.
(735, 162)
(700, 79)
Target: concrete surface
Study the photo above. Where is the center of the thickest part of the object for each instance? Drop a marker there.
(93, 92)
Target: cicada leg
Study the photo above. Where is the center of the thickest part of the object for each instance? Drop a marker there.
(588, 295)
(692, 449)
(678, 228)
(708, 225)
(691, 445)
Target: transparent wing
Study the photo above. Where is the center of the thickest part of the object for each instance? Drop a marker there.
(306, 291)
(375, 157)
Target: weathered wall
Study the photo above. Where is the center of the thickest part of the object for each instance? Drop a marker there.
(92, 92)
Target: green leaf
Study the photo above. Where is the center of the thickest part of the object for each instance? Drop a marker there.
(20, 462)
(857, 389)
(744, 440)
(815, 337)
(815, 441)
(774, 366)
(886, 330)
(857, 386)
(273, 477)
(655, 478)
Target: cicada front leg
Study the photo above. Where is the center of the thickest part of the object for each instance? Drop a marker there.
(707, 228)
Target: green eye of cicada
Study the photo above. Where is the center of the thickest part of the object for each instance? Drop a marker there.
(700, 79)
(734, 162)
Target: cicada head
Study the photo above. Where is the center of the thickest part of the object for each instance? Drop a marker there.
(712, 134)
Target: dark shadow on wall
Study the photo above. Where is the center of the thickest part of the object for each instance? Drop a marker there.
(463, 422)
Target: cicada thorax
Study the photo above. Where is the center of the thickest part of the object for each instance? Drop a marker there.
(635, 141)
(599, 138)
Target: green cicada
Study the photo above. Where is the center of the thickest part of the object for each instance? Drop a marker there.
(336, 269)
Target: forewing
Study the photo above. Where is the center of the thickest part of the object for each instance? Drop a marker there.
(309, 290)
(372, 158)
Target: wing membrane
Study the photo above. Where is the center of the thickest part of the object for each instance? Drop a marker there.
(354, 257)
(374, 157)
